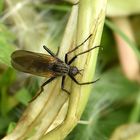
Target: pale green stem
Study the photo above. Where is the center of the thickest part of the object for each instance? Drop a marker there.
(91, 16)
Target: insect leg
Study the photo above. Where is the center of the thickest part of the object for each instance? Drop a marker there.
(85, 83)
(80, 44)
(62, 85)
(58, 51)
(66, 56)
(72, 59)
(49, 51)
(42, 88)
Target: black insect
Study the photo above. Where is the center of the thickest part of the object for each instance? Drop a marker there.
(48, 65)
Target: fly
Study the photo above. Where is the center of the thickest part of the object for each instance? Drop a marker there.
(49, 66)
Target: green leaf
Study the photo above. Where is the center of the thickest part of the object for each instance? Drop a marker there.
(4, 122)
(6, 45)
(56, 7)
(8, 77)
(124, 36)
(1, 5)
(11, 127)
(23, 96)
(5, 81)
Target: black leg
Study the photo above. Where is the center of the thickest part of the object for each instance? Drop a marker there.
(42, 88)
(85, 83)
(72, 59)
(66, 58)
(66, 55)
(58, 51)
(49, 51)
(62, 85)
(80, 44)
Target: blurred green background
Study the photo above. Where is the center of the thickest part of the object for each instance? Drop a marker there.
(115, 99)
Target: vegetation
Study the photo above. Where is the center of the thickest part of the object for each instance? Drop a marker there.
(110, 108)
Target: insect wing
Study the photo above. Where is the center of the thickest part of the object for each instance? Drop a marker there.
(33, 63)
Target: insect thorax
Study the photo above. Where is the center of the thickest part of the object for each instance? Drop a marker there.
(60, 68)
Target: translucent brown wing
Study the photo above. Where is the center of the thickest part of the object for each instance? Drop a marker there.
(33, 63)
